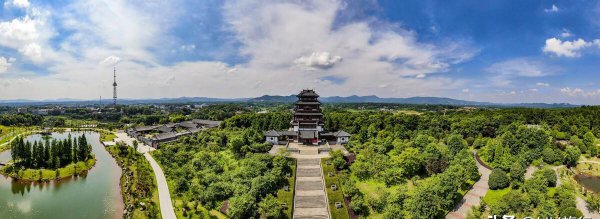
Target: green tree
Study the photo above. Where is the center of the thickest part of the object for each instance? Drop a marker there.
(269, 207)
(572, 156)
(590, 142)
(517, 173)
(456, 143)
(498, 179)
(409, 160)
(135, 145)
(546, 209)
(242, 206)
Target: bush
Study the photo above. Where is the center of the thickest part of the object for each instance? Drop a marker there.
(571, 212)
(548, 174)
(498, 179)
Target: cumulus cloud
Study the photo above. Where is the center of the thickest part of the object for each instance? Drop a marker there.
(275, 38)
(32, 50)
(551, 9)
(17, 3)
(4, 64)
(321, 60)
(504, 72)
(578, 92)
(565, 48)
(110, 61)
(542, 84)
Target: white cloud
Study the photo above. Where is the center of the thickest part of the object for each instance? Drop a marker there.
(551, 9)
(533, 90)
(32, 50)
(566, 48)
(566, 33)
(542, 84)
(110, 61)
(505, 71)
(188, 48)
(578, 92)
(321, 60)
(272, 36)
(4, 64)
(17, 3)
(466, 90)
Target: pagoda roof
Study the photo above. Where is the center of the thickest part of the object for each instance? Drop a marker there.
(300, 102)
(272, 133)
(341, 133)
(307, 114)
(307, 93)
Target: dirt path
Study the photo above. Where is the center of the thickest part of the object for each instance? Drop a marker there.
(474, 196)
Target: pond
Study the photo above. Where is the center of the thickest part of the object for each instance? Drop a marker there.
(96, 195)
(591, 183)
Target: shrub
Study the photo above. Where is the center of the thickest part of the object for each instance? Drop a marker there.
(498, 179)
(571, 212)
(548, 174)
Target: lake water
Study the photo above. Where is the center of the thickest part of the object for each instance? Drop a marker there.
(96, 195)
(591, 183)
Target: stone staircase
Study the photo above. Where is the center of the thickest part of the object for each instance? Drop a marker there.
(309, 151)
(310, 200)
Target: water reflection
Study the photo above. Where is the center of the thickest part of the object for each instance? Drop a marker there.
(591, 183)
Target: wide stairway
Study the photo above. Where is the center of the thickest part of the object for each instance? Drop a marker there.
(310, 199)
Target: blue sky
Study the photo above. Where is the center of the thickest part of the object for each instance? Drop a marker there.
(498, 51)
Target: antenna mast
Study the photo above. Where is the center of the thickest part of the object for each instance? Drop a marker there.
(115, 87)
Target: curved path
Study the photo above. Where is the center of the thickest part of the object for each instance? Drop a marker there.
(582, 205)
(474, 196)
(166, 205)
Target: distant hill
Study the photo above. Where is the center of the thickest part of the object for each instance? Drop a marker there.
(289, 99)
(409, 100)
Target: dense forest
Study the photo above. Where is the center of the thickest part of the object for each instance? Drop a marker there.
(422, 163)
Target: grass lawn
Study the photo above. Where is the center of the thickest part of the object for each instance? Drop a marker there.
(107, 136)
(8, 133)
(334, 196)
(130, 160)
(492, 196)
(588, 168)
(287, 197)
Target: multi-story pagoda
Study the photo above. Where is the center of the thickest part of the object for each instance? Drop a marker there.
(307, 123)
(307, 112)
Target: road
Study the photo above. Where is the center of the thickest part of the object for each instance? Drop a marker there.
(473, 196)
(164, 196)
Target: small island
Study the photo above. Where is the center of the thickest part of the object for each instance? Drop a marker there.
(49, 159)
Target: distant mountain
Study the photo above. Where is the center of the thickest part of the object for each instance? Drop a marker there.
(288, 99)
(409, 100)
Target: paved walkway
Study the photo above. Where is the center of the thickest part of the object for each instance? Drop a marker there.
(166, 205)
(584, 207)
(473, 196)
(310, 200)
